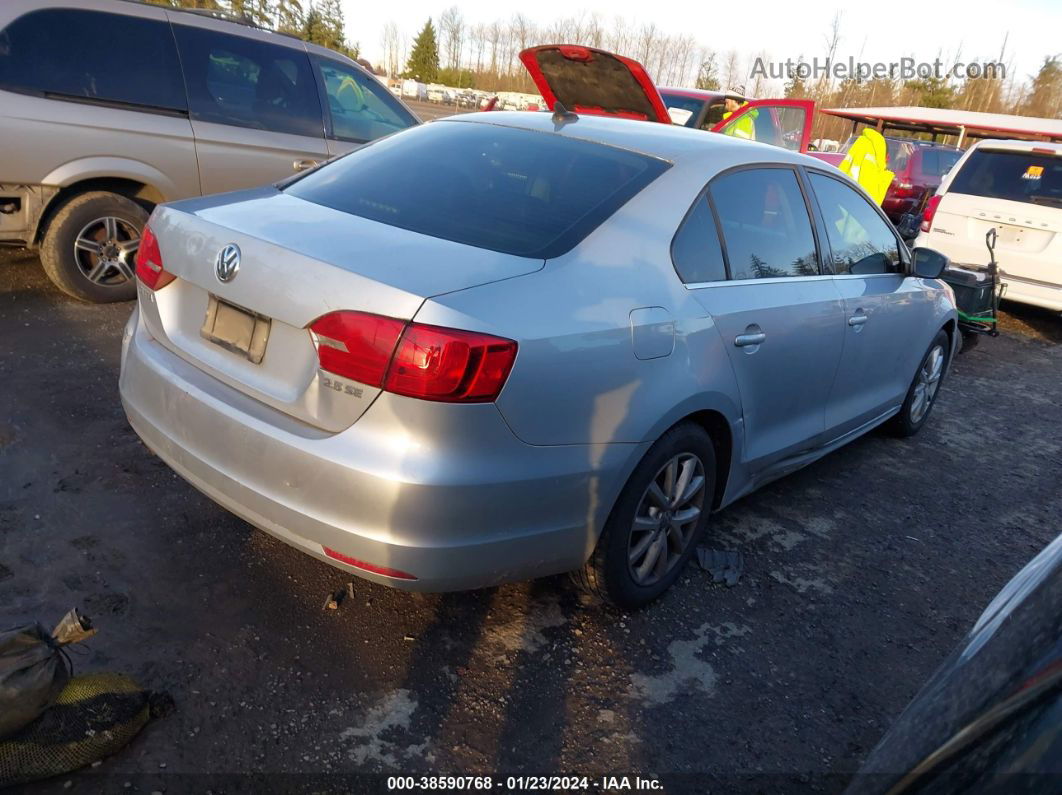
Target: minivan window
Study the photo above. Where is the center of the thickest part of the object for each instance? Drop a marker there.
(360, 108)
(248, 83)
(766, 226)
(516, 191)
(696, 252)
(862, 242)
(1016, 176)
(93, 56)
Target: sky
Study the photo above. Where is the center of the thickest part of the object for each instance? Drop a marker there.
(918, 30)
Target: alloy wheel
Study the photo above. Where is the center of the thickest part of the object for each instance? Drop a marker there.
(927, 384)
(105, 250)
(666, 518)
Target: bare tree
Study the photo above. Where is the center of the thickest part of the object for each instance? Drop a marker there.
(452, 30)
(391, 42)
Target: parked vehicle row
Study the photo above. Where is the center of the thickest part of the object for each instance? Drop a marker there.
(95, 136)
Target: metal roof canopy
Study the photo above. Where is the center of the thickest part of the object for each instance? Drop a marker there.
(946, 121)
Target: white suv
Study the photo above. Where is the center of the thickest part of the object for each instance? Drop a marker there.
(1016, 187)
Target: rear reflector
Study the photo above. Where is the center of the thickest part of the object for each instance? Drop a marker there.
(415, 360)
(356, 345)
(929, 212)
(149, 262)
(361, 564)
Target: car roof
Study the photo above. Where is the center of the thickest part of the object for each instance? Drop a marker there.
(917, 142)
(694, 93)
(1017, 146)
(670, 142)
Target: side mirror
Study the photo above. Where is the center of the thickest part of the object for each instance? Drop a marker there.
(927, 263)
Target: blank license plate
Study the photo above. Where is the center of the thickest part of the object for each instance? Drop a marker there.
(236, 329)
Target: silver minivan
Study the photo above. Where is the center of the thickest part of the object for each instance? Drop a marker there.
(114, 106)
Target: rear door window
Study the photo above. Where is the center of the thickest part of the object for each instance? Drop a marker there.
(862, 242)
(249, 83)
(766, 226)
(93, 56)
(1031, 177)
(516, 191)
(360, 108)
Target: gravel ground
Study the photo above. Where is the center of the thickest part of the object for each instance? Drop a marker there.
(863, 571)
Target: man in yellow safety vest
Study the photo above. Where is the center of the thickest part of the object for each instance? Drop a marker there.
(867, 163)
(745, 125)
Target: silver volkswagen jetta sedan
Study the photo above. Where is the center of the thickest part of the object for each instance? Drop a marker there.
(501, 346)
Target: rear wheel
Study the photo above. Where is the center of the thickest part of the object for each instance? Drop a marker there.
(922, 395)
(89, 247)
(657, 521)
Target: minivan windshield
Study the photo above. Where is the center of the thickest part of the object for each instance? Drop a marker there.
(1031, 177)
(522, 192)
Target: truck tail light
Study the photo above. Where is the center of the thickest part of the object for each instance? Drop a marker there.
(414, 359)
(930, 211)
(149, 262)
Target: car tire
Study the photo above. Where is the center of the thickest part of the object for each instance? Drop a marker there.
(89, 246)
(924, 390)
(620, 571)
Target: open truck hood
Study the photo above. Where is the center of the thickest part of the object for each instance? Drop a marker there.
(592, 81)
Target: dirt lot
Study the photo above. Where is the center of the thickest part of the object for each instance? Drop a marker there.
(862, 572)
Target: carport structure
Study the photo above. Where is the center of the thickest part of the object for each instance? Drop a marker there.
(945, 121)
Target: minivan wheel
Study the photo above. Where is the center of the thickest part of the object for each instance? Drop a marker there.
(657, 521)
(922, 395)
(89, 247)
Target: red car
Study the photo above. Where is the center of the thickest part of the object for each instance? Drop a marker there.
(919, 167)
(597, 82)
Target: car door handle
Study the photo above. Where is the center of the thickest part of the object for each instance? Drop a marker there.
(857, 320)
(744, 340)
(302, 165)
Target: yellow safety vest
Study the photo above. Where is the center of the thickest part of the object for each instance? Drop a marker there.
(867, 164)
(744, 127)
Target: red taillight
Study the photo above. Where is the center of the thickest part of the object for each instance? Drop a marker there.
(149, 262)
(456, 366)
(361, 564)
(929, 212)
(356, 345)
(415, 360)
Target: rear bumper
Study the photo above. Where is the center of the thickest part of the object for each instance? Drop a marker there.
(446, 493)
(1035, 293)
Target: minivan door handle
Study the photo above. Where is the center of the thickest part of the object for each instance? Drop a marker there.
(744, 340)
(857, 320)
(302, 165)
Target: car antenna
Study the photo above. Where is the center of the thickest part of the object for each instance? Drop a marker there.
(561, 115)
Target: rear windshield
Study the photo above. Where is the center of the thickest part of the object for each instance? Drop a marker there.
(1017, 176)
(938, 162)
(533, 194)
(683, 110)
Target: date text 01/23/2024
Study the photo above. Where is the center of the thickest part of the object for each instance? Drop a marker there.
(523, 783)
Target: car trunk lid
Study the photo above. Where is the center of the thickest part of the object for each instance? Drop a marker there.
(592, 81)
(253, 331)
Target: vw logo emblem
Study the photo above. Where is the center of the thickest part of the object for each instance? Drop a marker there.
(227, 263)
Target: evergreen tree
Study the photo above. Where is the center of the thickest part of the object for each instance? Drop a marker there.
(1046, 96)
(708, 76)
(932, 92)
(424, 59)
(796, 88)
